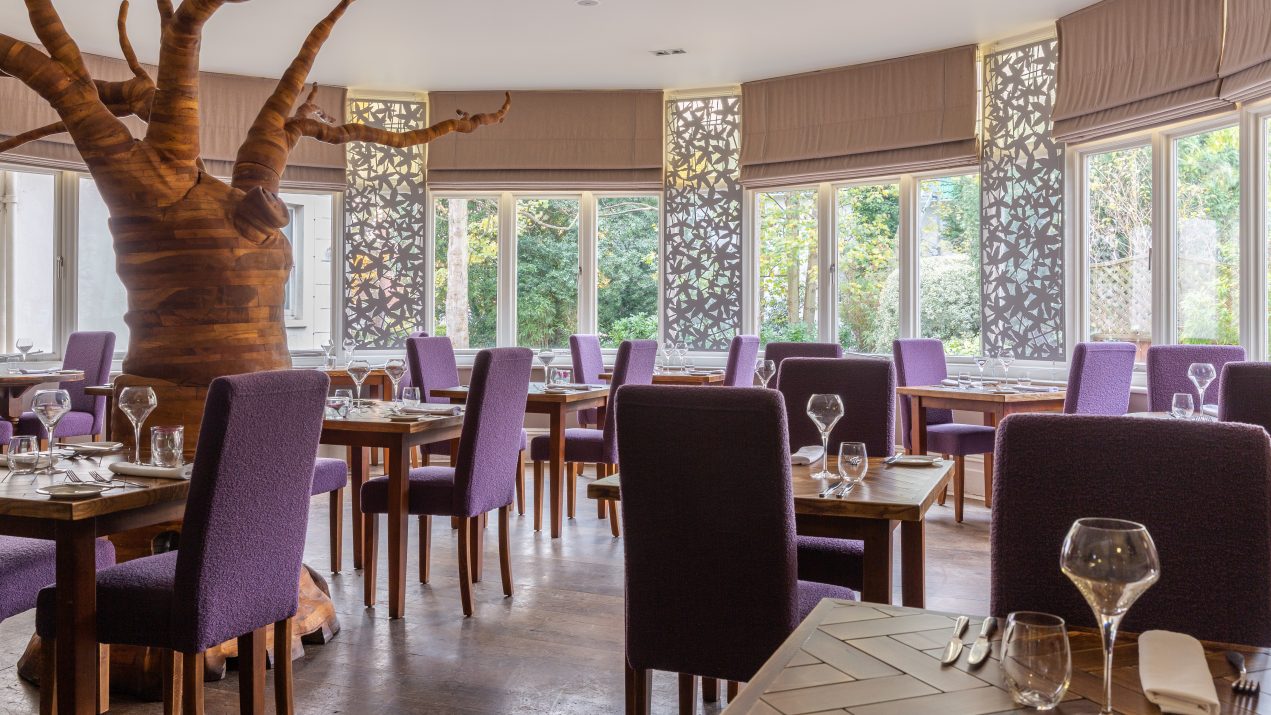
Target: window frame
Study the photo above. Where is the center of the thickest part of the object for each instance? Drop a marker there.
(60, 304)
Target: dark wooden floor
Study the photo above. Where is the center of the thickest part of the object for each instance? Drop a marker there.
(555, 647)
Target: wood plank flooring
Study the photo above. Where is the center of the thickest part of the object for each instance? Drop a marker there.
(555, 647)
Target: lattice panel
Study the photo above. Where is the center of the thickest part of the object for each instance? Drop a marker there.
(1022, 205)
(703, 281)
(384, 212)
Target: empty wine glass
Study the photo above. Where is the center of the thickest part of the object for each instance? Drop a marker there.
(328, 351)
(825, 411)
(395, 368)
(358, 370)
(765, 369)
(980, 362)
(546, 356)
(137, 403)
(24, 346)
(350, 347)
(1182, 406)
(853, 464)
(1006, 358)
(1201, 373)
(1112, 562)
(49, 407)
(681, 349)
(1036, 662)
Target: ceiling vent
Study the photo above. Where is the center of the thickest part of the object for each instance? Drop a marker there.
(668, 53)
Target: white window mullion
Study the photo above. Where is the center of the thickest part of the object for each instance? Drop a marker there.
(66, 285)
(506, 322)
(430, 264)
(910, 315)
(827, 268)
(587, 268)
(749, 264)
(1163, 210)
(1253, 229)
(1076, 242)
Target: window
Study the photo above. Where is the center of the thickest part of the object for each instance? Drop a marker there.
(292, 304)
(869, 276)
(788, 265)
(28, 210)
(1118, 228)
(546, 271)
(101, 298)
(949, 263)
(626, 268)
(466, 270)
(1207, 237)
(308, 296)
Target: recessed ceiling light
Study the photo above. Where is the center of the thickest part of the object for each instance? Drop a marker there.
(588, 3)
(668, 53)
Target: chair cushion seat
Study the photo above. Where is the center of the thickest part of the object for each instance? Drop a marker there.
(811, 593)
(73, 424)
(134, 603)
(28, 565)
(581, 445)
(431, 491)
(832, 561)
(329, 475)
(960, 439)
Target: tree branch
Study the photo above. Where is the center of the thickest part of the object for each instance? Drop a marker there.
(331, 134)
(49, 130)
(35, 69)
(125, 45)
(165, 10)
(48, 27)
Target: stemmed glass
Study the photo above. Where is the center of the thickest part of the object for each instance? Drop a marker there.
(765, 369)
(681, 350)
(24, 346)
(825, 411)
(980, 362)
(546, 356)
(137, 403)
(50, 406)
(328, 350)
(395, 368)
(1201, 373)
(350, 347)
(668, 349)
(1182, 407)
(1006, 357)
(358, 370)
(853, 464)
(1112, 562)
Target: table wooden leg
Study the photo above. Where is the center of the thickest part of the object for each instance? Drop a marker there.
(876, 586)
(76, 617)
(913, 564)
(556, 465)
(358, 469)
(990, 419)
(398, 484)
(918, 422)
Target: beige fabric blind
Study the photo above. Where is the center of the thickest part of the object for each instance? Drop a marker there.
(1246, 57)
(907, 114)
(1126, 65)
(551, 140)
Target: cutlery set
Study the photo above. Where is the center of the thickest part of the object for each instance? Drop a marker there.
(838, 490)
(980, 649)
(1244, 685)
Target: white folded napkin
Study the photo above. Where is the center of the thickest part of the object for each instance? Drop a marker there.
(1036, 388)
(1174, 674)
(807, 455)
(1211, 410)
(435, 409)
(36, 371)
(149, 470)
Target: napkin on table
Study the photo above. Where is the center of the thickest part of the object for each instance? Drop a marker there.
(1174, 674)
(807, 455)
(435, 409)
(149, 470)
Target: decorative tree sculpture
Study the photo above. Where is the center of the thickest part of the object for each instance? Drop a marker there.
(204, 262)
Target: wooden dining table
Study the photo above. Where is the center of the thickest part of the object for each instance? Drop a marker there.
(891, 497)
(680, 377)
(557, 406)
(73, 526)
(870, 659)
(13, 389)
(993, 404)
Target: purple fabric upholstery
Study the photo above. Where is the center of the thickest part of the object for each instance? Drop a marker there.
(867, 387)
(711, 574)
(1099, 379)
(959, 439)
(329, 475)
(1167, 371)
(1246, 393)
(431, 365)
(588, 364)
(920, 362)
(406, 380)
(92, 353)
(238, 567)
(1208, 510)
(484, 477)
(28, 565)
(6, 433)
(742, 353)
(833, 561)
(581, 445)
(778, 352)
(73, 424)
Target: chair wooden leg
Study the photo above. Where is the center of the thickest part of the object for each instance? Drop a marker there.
(476, 542)
(571, 485)
(602, 506)
(48, 676)
(425, 544)
(370, 556)
(615, 521)
(251, 673)
(284, 698)
(171, 672)
(639, 689)
(688, 694)
(988, 480)
(520, 483)
(944, 493)
(538, 496)
(103, 678)
(505, 552)
(710, 690)
(733, 687)
(337, 528)
(465, 578)
(192, 683)
(959, 478)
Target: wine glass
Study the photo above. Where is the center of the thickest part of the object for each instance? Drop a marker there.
(1182, 406)
(853, 464)
(765, 369)
(1112, 562)
(546, 356)
(350, 347)
(1006, 358)
(328, 351)
(137, 403)
(1201, 373)
(358, 370)
(395, 368)
(980, 362)
(1036, 662)
(825, 411)
(681, 350)
(24, 346)
(49, 407)
(668, 349)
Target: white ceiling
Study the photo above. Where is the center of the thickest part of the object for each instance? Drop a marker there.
(557, 44)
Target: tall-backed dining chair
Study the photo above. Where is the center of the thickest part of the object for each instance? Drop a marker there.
(588, 363)
(1167, 372)
(712, 585)
(1245, 390)
(633, 366)
(777, 352)
(407, 380)
(481, 480)
(1099, 379)
(922, 362)
(1202, 489)
(331, 476)
(6, 434)
(237, 571)
(740, 369)
(92, 353)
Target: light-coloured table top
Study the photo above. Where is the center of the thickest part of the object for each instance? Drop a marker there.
(679, 378)
(977, 394)
(375, 420)
(7, 380)
(18, 495)
(536, 394)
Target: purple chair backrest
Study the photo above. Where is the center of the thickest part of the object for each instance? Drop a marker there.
(919, 362)
(92, 353)
(490, 444)
(407, 381)
(740, 371)
(633, 366)
(1099, 379)
(588, 362)
(709, 519)
(247, 513)
(1203, 490)
(1246, 394)
(432, 366)
(777, 352)
(1167, 371)
(867, 387)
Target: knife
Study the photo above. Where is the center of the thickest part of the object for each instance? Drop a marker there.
(954, 649)
(980, 649)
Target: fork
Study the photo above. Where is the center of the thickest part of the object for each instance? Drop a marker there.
(97, 477)
(1243, 685)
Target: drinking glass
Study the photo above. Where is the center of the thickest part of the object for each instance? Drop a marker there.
(546, 356)
(765, 369)
(410, 396)
(1036, 663)
(344, 392)
(350, 347)
(668, 349)
(825, 411)
(167, 445)
(1201, 373)
(1024, 380)
(24, 455)
(1006, 358)
(358, 370)
(560, 375)
(964, 381)
(338, 406)
(24, 346)
(328, 351)
(396, 370)
(853, 464)
(980, 362)
(49, 407)
(1112, 562)
(681, 349)
(1182, 406)
(13, 364)
(137, 403)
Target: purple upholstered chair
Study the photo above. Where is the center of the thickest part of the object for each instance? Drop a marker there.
(1099, 379)
(1214, 541)
(777, 352)
(238, 568)
(1167, 372)
(92, 353)
(482, 479)
(330, 476)
(921, 362)
(740, 370)
(1246, 387)
(406, 380)
(712, 584)
(588, 364)
(28, 565)
(6, 434)
(633, 366)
